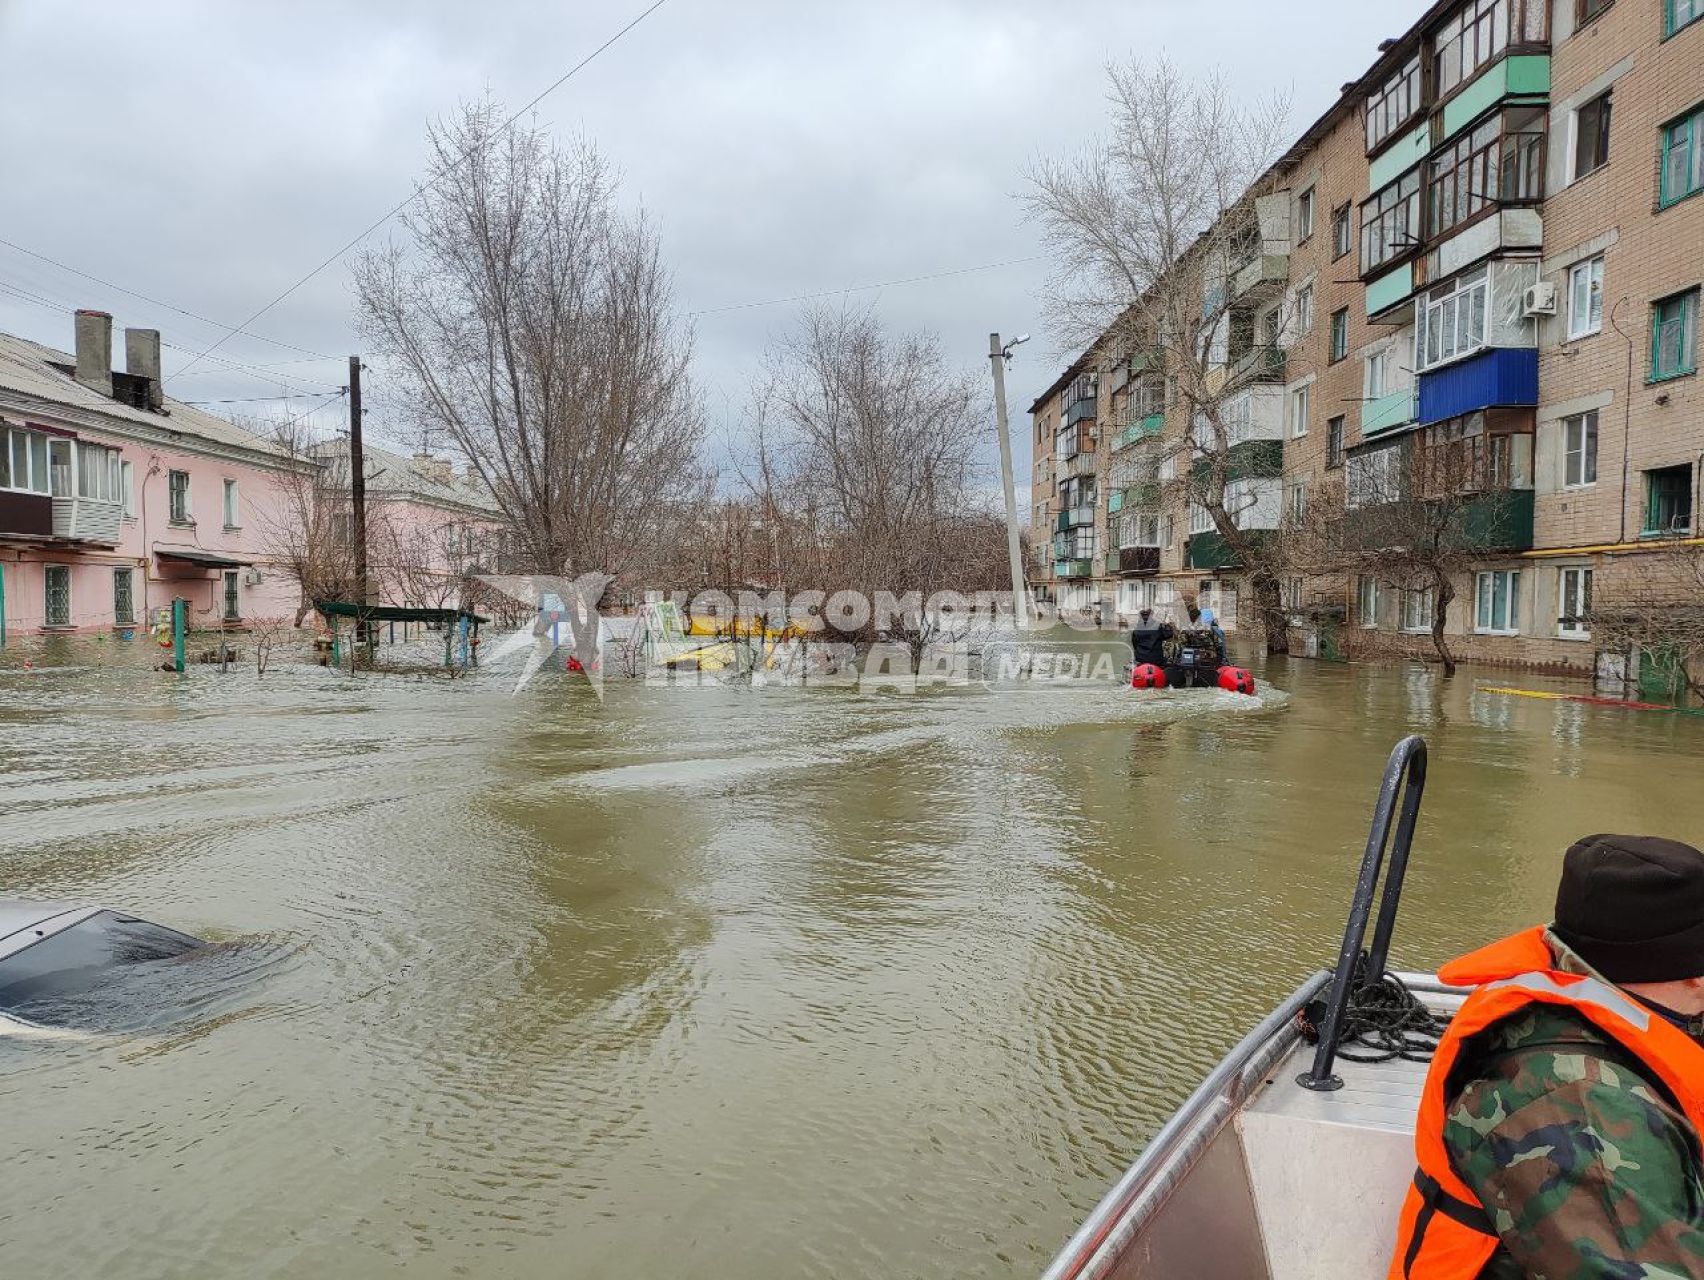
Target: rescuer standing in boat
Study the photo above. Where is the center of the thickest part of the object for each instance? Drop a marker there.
(1559, 1129)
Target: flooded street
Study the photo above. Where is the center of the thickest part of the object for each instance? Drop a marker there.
(728, 983)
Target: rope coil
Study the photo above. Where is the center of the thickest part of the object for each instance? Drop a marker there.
(1384, 1019)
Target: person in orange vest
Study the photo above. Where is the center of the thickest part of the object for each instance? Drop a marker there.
(1558, 1133)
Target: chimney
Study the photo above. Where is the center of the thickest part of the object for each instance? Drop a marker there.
(438, 470)
(94, 351)
(142, 360)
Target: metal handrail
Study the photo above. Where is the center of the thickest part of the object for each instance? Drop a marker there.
(1404, 781)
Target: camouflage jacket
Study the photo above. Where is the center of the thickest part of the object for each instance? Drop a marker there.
(1586, 1167)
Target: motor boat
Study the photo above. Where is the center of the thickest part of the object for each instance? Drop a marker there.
(52, 953)
(1290, 1161)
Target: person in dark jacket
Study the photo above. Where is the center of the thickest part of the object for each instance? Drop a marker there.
(1148, 640)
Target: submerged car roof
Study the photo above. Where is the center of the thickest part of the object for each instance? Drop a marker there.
(23, 923)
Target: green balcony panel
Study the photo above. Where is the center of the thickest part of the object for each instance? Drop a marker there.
(1115, 502)
(1250, 460)
(1387, 413)
(1391, 289)
(1400, 157)
(1500, 522)
(1525, 75)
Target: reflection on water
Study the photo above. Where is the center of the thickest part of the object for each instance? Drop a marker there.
(763, 982)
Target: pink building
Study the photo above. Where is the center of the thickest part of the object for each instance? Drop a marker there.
(115, 500)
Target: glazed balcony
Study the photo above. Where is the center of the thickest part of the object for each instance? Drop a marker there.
(87, 520)
(25, 515)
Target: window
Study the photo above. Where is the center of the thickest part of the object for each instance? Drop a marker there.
(97, 473)
(127, 487)
(1342, 232)
(1585, 299)
(1683, 157)
(1674, 336)
(123, 598)
(1168, 530)
(1574, 603)
(1668, 501)
(1367, 601)
(1334, 443)
(1591, 136)
(1419, 608)
(1304, 310)
(1339, 335)
(1480, 31)
(1580, 442)
(1499, 603)
(1200, 520)
(1452, 319)
(1298, 503)
(1680, 13)
(177, 490)
(1305, 216)
(56, 579)
(83, 959)
(1378, 374)
(59, 474)
(1390, 223)
(1299, 410)
(233, 596)
(1293, 594)
(1589, 9)
(1394, 104)
(1500, 161)
(233, 512)
(23, 461)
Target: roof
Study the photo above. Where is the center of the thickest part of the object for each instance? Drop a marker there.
(395, 475)
(393, 613)
(195, 555)
(28, 369)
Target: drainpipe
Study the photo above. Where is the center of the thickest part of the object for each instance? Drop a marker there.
(1626, 418)
(2, 604)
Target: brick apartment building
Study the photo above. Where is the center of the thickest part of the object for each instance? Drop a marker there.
(1489, 244)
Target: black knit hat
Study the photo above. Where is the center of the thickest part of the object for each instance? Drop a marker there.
(1632, 907)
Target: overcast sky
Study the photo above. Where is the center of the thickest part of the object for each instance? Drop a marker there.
(207, 154)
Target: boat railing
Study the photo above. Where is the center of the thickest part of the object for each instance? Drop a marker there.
(1400, 793)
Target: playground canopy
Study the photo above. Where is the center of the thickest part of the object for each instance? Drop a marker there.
(395, 613)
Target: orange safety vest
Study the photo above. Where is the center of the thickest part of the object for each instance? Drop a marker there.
(1445, 1233)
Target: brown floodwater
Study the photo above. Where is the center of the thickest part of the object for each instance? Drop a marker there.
(755, 983)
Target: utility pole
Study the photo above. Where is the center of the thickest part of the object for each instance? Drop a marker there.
(1000, 353)
(358, 491)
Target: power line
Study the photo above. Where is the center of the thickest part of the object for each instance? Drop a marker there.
(292, 395)
(865, 288)
(420, 191)
(54, 262)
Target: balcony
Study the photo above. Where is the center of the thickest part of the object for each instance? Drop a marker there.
(1494, 522)
(1139, 429)
(1262, 279)
(1501, 377)
(1081, 411)
(1247, 460)
(1262, 364)
(1079, 465)
(1210, 551)
(1134, 561)
(1387, 413)
(87, 520)
(1073, 568)
(1075, 518)
(26, 515)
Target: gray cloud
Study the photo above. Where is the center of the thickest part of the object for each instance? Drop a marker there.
(208, 154)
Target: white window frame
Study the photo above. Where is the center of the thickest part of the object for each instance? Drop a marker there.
(1306, 214)
(1590, 272)
(1464, 301)
(232, 505)
(1200, 520)
(1296, 503)
(1418, 621)
(1301, 402)
(127, 484)
(1504, 586)
(1377, 382)
(1582, 428)
(1570, 596)
(1367, 602)
(1304, 310)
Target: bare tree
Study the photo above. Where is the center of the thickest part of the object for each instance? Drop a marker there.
(1163, 232)
(867, 452)
(308, 531)
(536, 324)
(1654, 607)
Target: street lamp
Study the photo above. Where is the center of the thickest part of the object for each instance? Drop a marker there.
(1000, 353)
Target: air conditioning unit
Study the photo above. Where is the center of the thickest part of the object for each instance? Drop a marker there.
(1540, 300)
